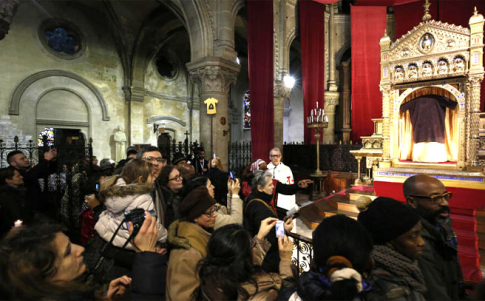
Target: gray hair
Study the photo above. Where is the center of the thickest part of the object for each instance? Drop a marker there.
(274, 149)
(261, 178)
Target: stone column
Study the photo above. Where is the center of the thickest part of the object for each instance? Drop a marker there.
(281, 93)
(224, 44)
(345, 103)
(134, 97)
(331, 102)
(214, 75)
(332, 83)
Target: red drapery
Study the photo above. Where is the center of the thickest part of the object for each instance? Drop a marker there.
(382, 2)
(456, 12)
(367, 28)
(312, 34)
(260, 56)
(321, 1)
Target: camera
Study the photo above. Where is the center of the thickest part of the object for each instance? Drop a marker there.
(136, 216)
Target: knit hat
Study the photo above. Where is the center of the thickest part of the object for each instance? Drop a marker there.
(177, 157)
(255, 165)
(196, 203)
(387, 219)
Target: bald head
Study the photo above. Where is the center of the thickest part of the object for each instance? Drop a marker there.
(427, 195)
(421, 185)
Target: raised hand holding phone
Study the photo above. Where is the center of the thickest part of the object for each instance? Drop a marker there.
(266, 226)
(285, 246)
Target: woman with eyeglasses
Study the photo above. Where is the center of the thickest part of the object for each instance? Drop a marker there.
(230, 214)
(171, 182)
(188, 238)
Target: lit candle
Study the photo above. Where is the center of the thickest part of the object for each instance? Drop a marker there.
(17, 223)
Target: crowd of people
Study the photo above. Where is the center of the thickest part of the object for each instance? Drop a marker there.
(142, 229)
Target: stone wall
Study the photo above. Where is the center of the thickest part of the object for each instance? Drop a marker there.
(83, 91)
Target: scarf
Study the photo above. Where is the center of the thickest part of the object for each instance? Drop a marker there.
(399, 265)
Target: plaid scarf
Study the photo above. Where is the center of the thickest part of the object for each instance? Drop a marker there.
(399, 265)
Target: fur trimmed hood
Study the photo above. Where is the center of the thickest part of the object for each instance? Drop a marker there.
(119, 198)
(121, 189)
(122, 197)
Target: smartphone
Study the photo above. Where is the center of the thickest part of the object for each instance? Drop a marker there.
(214, 155)
(97, 187)
(231, 175)
(280, 229)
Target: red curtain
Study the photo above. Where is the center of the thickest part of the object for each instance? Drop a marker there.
(367, 28)
(382, 2)
(321, 1)
(456, 12)
(260, 56)
(312, 34)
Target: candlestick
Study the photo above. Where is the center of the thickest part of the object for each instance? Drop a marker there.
(18, 223)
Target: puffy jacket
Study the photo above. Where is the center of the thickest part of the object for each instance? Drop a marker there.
(118, 199)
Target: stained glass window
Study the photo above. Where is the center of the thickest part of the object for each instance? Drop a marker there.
(247, 111)
(60, 40)
(49, 132)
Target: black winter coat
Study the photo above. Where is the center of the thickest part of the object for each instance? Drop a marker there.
(149, 276)
(440, 266)
(31, 180)
(13, 206)
(255, 212)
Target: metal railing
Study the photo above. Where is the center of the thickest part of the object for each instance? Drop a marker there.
(58, 185)
(302, 252)
(240, 156)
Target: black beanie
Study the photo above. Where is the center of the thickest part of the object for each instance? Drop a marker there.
(196, 203)
(387, 219)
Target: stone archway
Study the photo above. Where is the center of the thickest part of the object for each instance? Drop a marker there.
(65, 91)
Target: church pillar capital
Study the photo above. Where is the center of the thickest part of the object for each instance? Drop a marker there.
(213, 74)
(8, 8)
(331, 102)
(134, 93)
(281, 91)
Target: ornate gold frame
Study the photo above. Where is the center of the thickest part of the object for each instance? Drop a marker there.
(434, 54)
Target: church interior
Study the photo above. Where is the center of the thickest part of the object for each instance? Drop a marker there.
(357, 94)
